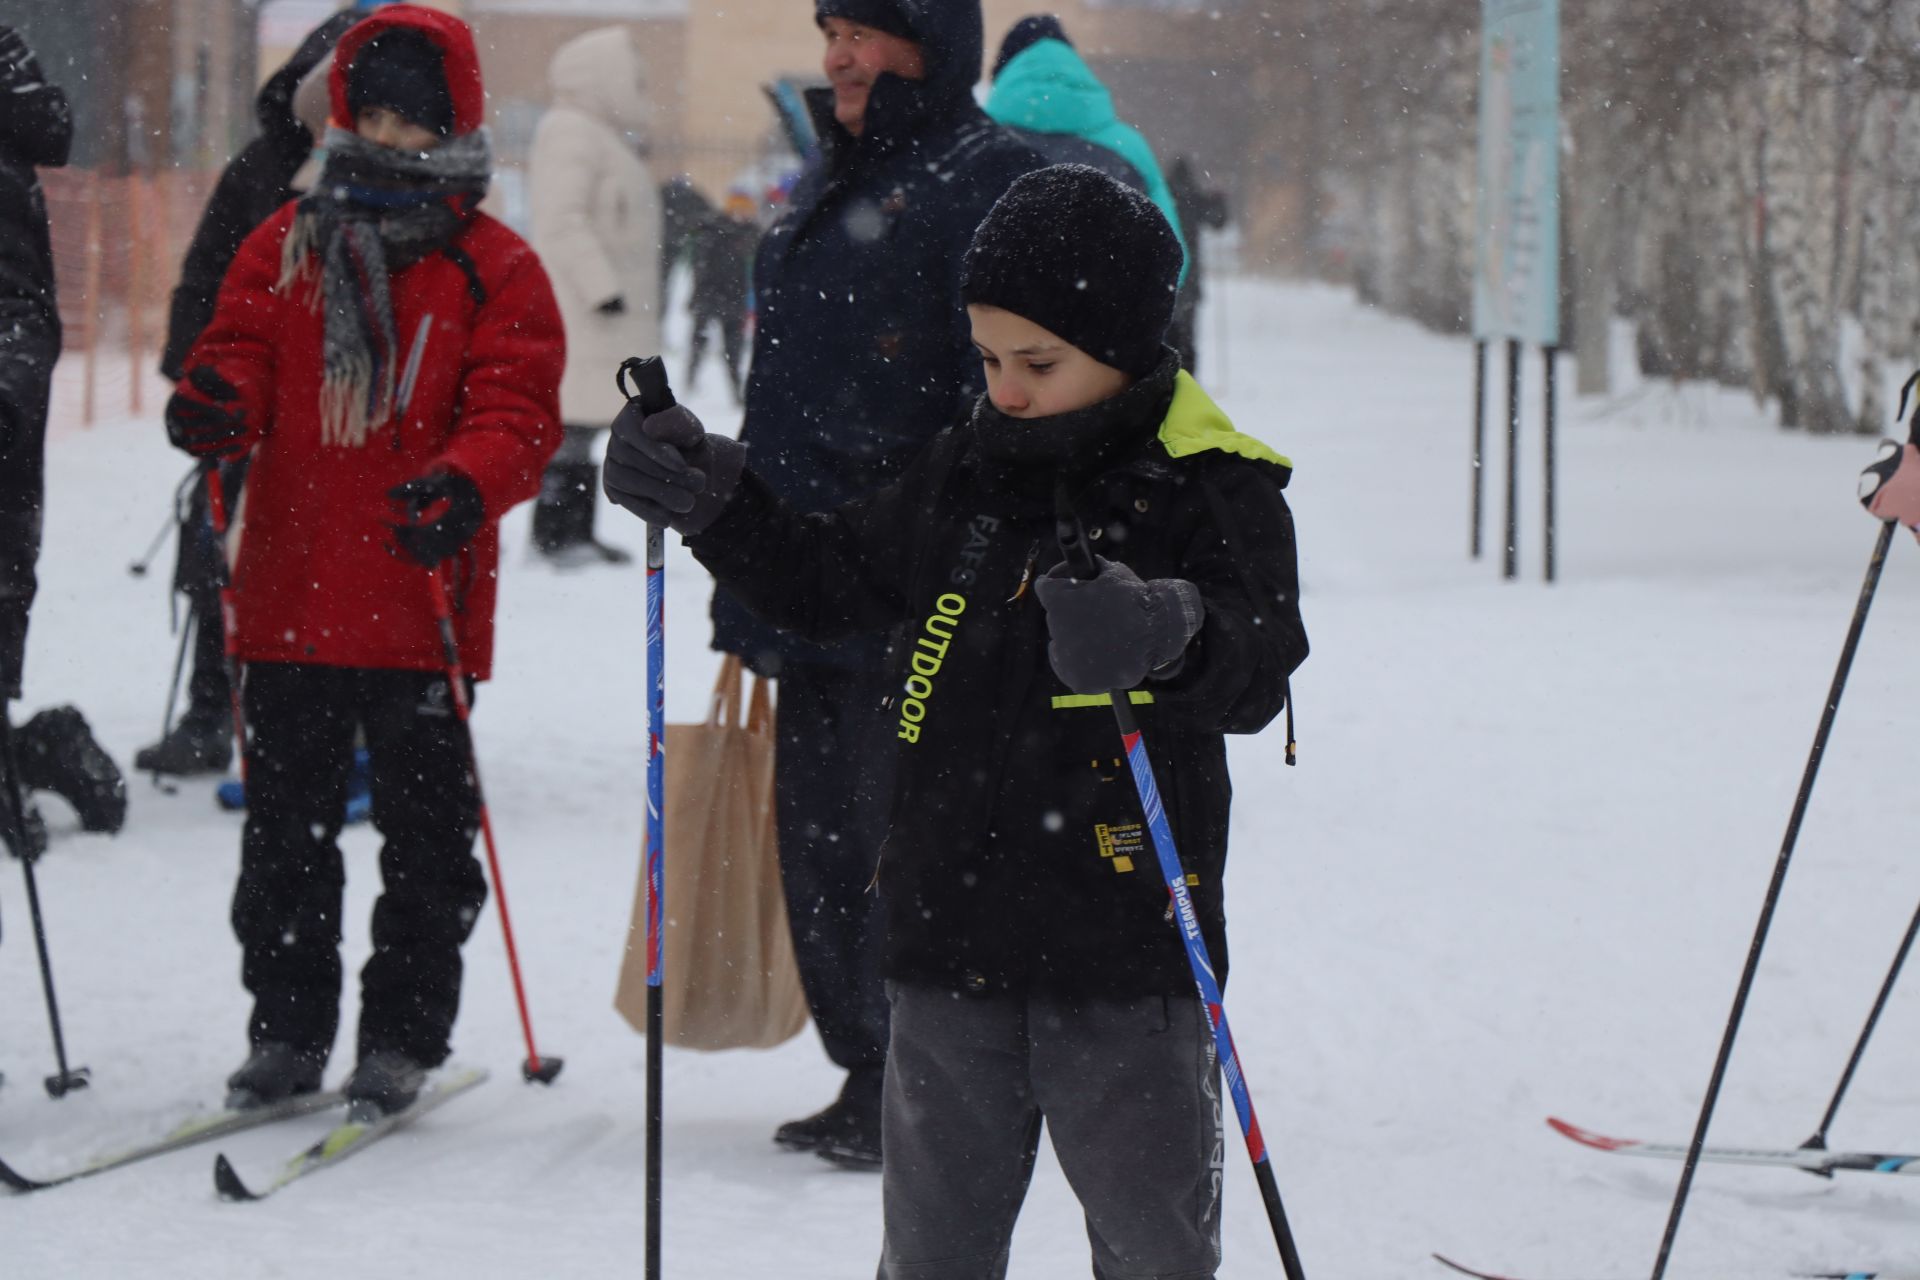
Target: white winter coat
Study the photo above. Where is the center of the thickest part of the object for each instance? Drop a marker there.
(595, 212)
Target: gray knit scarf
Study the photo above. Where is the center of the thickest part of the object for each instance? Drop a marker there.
(373, 211)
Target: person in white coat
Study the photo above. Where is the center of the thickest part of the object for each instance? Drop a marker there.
(596, 225)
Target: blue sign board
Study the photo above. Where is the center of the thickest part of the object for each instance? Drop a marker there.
(1516, 286)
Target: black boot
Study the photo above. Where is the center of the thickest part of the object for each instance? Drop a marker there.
(201, 743)
(848, 1132)
(57, 752)
(384, 1082)
(563, 518)
(273, 1073)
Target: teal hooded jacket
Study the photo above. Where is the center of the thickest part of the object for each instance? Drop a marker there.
(1047, 88)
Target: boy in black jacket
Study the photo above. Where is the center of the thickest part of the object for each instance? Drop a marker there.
(1033, 967)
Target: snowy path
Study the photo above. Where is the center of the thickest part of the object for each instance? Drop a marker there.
(1514, 874)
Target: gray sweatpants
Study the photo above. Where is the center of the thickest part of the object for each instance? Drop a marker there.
(1129, 1091)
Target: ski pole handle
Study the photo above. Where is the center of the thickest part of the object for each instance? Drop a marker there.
(651, 389)
(650, 385)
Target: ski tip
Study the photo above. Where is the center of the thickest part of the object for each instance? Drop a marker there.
(1587, 1138)
(18, 1182)
(228, 1183)
(1451, 1265)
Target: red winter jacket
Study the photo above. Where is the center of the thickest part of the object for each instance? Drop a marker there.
(319, 578)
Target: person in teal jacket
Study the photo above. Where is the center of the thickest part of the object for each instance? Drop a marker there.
(1042, 88)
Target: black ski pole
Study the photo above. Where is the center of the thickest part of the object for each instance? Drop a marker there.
(1780, 866)
(1073, 544)
(68, 1079)
(655, 394)
(138, 568)
(187, 631)
(174, 521)
(1818, 1142)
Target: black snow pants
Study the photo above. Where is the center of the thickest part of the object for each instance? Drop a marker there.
(830, 813)
(286, 908)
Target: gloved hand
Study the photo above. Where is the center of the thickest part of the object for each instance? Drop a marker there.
(440, 514)
(667, 469)
(1112, 631)
(614, 306)
(201, 416)
(18, 66)
(1890, 488)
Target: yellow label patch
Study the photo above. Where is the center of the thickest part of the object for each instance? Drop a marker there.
(1119, 843)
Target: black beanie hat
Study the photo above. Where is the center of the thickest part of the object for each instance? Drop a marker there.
(1023, 35)
(882, 15)
(403, 71)
(1083, 256)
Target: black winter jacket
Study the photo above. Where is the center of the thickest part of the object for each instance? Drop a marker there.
(252, 187)
(1017, 856)
(862, 341)
(36, 128)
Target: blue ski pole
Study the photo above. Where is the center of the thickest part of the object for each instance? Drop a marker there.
(1073, 545)
(650, 388)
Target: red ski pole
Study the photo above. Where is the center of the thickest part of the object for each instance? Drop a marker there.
(535, 1067)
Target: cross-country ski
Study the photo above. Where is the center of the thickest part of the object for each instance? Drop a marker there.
(1458, 1268)
(199, 1129)
(350, 1137)
(1807, 1160)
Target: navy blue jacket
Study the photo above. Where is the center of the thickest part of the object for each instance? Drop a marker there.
(862, 350)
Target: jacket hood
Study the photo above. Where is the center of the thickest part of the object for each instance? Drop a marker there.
(600, 74)
(451, 36)
(1049, 88)
(274, 107)
(1195, 424)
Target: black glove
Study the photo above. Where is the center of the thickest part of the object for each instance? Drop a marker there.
(614, 306)
(18, 66)
(667, 469)
(200, 418)
(1112, 631)
(441, 513)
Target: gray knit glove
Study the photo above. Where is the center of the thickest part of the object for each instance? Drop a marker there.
(1114, 630)
(668, 469)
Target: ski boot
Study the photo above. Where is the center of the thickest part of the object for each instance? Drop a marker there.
(57, 752)
(273, 1073)
(385, 1081)
(201, 743)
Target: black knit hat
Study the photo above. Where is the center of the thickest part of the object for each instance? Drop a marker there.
(882, 15)
(403, 71)
(1083, 256)
(1023, 35)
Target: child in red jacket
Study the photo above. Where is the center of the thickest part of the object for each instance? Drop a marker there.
(391, 357)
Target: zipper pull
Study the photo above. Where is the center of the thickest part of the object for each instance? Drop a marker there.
(1026, 574)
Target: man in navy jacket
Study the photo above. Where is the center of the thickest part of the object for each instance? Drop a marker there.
(860, 354)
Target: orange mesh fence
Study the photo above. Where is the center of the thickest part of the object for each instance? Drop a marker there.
(117, 247)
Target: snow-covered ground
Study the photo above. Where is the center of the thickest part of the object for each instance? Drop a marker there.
(1514, 875)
